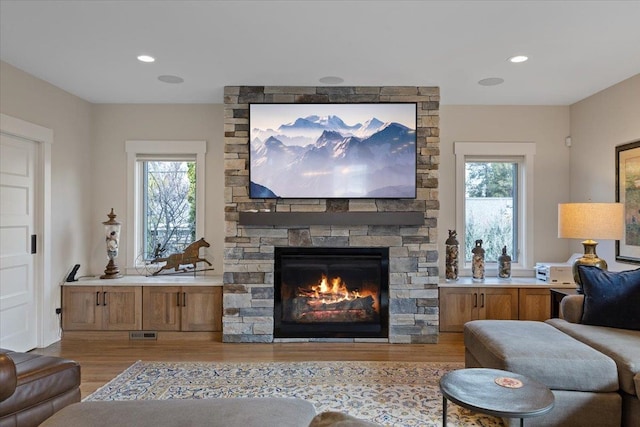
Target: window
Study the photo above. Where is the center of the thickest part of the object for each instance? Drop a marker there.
(491, 200)
(168, 211)
(494, 199)
(166, 188)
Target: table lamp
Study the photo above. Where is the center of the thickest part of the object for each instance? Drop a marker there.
(590, 221)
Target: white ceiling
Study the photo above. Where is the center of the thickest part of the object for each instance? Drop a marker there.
(89, 47)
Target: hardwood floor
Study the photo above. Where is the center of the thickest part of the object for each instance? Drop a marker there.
(102, 360)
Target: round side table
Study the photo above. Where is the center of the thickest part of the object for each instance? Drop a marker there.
(495, 392)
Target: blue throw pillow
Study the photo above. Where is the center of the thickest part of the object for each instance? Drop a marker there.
(610, 298)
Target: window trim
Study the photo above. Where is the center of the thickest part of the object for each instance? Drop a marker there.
(494, 151)
(138, 150)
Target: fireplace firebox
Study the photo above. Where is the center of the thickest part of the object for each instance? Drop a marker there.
(326, 292)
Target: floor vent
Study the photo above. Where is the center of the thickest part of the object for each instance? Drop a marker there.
(143, 335)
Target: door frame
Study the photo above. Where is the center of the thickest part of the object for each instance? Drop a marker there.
(43, 286)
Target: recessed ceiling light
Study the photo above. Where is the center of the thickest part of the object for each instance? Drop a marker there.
(518, 58)
(146, 58)
(167, 78)
(331, 80)
(491, 81)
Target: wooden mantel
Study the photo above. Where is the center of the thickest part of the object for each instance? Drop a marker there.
(330, 218)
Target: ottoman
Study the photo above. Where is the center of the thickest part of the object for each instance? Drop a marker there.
(583, 380)
(231, 412)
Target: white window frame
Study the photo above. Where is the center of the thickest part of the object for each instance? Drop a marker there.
(139, 149)
(499, 151)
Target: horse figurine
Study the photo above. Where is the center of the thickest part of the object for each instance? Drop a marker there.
(191, 255)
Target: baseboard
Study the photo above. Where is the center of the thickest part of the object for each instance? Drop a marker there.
(124, 336)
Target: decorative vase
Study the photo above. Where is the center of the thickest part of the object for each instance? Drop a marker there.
(477, 262)
(112, 239)
(451, 261)
(504, 265)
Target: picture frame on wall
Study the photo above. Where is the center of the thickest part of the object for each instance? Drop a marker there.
(628, 193)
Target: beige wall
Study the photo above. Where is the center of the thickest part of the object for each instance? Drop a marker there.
(598, 124)
(547, 126)
(115, 124)
(89, 162)
(28, 98)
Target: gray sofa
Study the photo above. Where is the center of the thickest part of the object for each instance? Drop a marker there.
(621, 345)
(593, 371)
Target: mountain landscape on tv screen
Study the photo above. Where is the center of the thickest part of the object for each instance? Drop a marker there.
(323, 157)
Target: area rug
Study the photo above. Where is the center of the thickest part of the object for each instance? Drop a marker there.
(401, 394)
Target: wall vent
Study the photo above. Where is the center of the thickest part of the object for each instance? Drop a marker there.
(143, 335)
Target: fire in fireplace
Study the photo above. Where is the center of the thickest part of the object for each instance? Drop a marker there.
(332, 302)
(331, 292)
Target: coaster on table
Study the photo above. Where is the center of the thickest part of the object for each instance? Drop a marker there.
(508, 382)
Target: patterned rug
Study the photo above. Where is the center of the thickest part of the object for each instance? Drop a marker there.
(399, 394)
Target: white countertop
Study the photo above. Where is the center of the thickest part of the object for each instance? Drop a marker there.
(216, 280)
(160, 280)
(514, 282)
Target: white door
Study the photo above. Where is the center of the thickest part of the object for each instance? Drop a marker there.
(18, 316)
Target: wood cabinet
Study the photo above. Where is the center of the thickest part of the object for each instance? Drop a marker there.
(94, 308)
(182, 308)
(534, 304)
(459, 305)
(137, 307)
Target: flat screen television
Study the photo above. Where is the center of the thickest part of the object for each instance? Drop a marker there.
(362, 150)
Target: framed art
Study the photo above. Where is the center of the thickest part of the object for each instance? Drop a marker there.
(628, 193)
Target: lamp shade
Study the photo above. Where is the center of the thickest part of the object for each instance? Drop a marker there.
(591, 221)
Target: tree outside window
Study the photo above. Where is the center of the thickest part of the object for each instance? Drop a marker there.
(490, 207)
(169, 206)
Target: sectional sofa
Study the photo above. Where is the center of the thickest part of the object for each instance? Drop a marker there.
(621, 345)
(589, 358)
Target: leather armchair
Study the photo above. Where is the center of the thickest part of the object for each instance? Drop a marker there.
(34, 387)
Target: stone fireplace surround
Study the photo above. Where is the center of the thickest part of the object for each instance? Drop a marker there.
(248, 271)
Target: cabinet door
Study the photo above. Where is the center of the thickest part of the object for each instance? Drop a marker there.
(122, 308)
(201, 308)
(161, 308)
(535, 304)
(457, 306)
(81, 308)
(498, 303)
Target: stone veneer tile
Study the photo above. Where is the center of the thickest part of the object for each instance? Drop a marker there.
(290, 90)
(248, 256)
(262, 303)
(363, 206)
(331, 241)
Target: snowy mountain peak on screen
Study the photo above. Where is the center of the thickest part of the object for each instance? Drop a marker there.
(328, 137)
(392, 127)
(272, 143)
(319, 122)
(369, 127)
(306, 130)
(272, 140)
